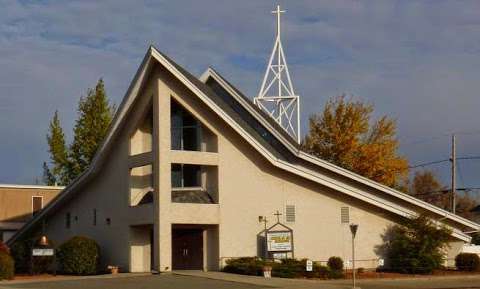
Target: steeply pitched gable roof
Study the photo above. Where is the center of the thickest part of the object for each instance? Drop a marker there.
(260, 132)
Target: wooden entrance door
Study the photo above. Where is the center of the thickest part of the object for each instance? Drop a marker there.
(187, 249)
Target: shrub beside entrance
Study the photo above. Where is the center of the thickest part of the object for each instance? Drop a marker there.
(467, 262)
(7, 267)
(286, 268)
(79, 256)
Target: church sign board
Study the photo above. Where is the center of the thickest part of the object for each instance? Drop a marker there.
(279, 241)
(42, 252)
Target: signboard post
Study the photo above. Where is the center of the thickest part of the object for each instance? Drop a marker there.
(42, 249)
(279, 240)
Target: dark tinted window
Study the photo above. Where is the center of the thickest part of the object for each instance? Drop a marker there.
(37, 204)
(185, 176)
(185, 131)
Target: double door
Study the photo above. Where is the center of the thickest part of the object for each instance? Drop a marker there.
(187, 249)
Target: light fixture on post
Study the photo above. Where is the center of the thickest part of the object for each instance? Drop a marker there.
(353, 229)
(43, 241)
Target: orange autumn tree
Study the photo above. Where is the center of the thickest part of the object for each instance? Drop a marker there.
(344, 134)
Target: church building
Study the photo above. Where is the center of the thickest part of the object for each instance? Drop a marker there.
(191, 172)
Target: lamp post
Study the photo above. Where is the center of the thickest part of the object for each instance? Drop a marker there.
(43, 248)
(353, 229)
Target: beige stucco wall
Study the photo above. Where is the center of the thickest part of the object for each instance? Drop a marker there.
(16, 203)
(248, 187)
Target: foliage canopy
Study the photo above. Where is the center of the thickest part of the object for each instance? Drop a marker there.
(344, 135)
(94, 116)
(415, 246)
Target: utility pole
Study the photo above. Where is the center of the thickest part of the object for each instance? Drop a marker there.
(454, 175)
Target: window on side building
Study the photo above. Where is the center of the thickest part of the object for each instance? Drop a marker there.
(37, 204)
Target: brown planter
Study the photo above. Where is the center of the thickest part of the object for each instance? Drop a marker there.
(113, 269)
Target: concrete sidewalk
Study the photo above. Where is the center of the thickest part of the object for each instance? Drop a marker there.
(428, 282)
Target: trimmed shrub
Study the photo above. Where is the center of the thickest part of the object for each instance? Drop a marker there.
(289, 268)
(335, 263)
(467, 262)
(19, 252)
(79, 256)
(7, 267)
(321, 272)
(245, 266)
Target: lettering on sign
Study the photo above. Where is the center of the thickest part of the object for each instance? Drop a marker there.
(42, 252)
(280, 241)
(279, 256)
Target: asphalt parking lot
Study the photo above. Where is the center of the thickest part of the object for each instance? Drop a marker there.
(216, 280)
(169, 281)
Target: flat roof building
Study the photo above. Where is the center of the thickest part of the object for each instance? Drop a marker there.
(190, 169)
(19, 203)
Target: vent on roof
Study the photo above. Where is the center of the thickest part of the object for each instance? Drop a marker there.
(345, 215)
(290, 213)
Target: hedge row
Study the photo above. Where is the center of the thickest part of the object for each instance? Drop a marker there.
(287, 268)
(77, 256)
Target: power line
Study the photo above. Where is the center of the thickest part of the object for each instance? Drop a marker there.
(442, 161)
(428, 164)
(447, 191)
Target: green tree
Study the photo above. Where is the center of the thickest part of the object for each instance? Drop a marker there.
(427, 187)
(415, 246)
(343, 134)
(48, 178)
(58, 152)
(94, 116)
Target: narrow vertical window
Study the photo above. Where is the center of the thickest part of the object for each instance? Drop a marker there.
(68, 220)
(94, 217)
(37, 204)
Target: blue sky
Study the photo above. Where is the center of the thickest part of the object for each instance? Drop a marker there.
(417, 61)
